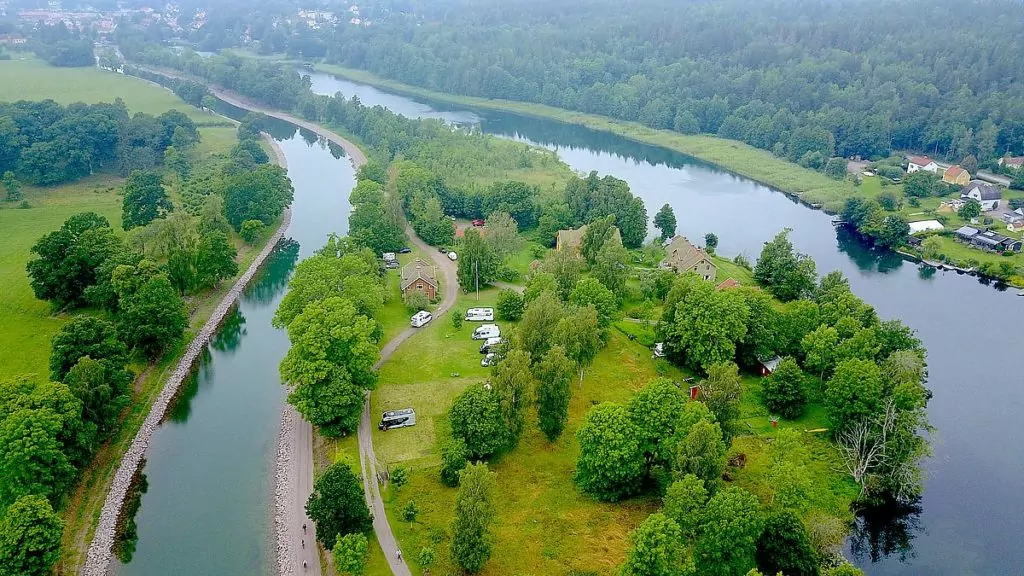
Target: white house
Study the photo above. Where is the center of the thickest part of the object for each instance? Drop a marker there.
(924, 226)
(916, 163)
(988, 195)
(1014, 162)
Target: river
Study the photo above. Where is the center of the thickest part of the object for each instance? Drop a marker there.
(970, 519)
(209, 467)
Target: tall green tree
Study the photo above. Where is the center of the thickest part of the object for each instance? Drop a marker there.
(258, 194)
(215, 260)
(611, 462)
(853, 393)
(472, 540)
(784, 547)
(567, 269)
(700, 451)
(476, 420)
(30, 535)
(684, 503)
(611, 267)
(85, 336)
(658, 411)
(554, 375)
(705, 325)
(478, 263)
(720, 392)
(787, 274)
(579, 334)
(728, 537)
(145, 199)
(151, 314)
(784, 391)
(665, 221)
(12, 188)
(536, 330)
(68, 260)
(350, 552)
(329, 366)
(598, 233)
(103, 388)
(337, 505)
(341, 269)
(657, 549)
(503, 235)
(591, 292)
(512, 381)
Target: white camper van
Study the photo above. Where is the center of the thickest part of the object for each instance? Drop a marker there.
(480, 315)
(486, 331)
(421, 318)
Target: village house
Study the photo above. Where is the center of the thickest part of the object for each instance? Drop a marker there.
(1016, 226)
(767, 366)
(1016, 215)
(1012, 162)
(571, 239)
(921, 163)
(685, 257)
(987, 240)
(418, 276)
(988, 195)
(956, 176)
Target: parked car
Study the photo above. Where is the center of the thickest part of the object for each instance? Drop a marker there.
(487, 331)
(421, 318)
(392, 264)
(442, 249)
(480, 315)
(453, 256)
(659, 350)
(397, 419)
(489, 360)
(489, 343)
(478, 222)
(405, 250)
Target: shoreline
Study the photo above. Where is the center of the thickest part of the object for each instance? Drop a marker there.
(100, 551)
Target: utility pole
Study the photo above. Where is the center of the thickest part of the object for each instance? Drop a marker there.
(476, 274)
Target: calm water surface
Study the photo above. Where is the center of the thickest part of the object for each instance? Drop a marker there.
(209, 467)
(971, 519)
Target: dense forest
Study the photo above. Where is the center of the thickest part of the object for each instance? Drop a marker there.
(44, 143)
(807, 79)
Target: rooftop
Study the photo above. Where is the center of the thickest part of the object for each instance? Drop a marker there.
(418, 270)
(920, 160)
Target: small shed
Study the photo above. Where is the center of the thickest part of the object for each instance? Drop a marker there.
(766, 367)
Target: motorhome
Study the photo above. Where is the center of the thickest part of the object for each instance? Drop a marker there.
(480, 315)
(397, 419)
(486, 331)
(421, 318)
(489, 344)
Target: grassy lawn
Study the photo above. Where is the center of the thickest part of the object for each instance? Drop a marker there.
(27, 325)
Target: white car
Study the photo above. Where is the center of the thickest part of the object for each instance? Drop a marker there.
(421, 318)
(453, 256)
(480, 315)
(489, 360)
(486, 331)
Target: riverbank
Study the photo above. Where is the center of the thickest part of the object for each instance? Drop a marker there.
(99, 553)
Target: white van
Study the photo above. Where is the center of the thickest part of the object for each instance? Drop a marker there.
(480, 315)
(421, 318)
(486, 331)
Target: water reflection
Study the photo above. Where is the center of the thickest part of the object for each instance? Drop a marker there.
(866, 257)
(309, 136)
(273, 277)
(180, 409)
(126, 537)
(230, 333)
(886, 531)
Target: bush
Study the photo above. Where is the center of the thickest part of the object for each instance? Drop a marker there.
(784, 392)
(538, 251)
(456, 318)
(506, 274)
(399, 477)
(510, 305)
(417, 301)
(251, 231)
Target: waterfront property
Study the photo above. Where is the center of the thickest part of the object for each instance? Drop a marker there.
(987, 194)
(987, 240)
(572, 238)
(685, 257)
(417, 276)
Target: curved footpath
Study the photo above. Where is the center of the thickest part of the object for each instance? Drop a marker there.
(97, 560)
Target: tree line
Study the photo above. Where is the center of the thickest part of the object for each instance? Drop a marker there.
(51, 428)
(44, 143)
(62, 46)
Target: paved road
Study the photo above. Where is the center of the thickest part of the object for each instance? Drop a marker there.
(367, 456)
(303, 470)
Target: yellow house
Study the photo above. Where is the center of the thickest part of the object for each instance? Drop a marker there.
(956, 175)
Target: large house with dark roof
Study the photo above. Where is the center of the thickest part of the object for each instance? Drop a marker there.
(987, 194)
(684, 257)
(418, 276)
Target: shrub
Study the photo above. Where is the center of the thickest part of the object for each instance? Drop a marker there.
(510, 305)
(456, 318)
(417, 301)
(784, 392)
(399, 477)
(454, 456)
(251, 231)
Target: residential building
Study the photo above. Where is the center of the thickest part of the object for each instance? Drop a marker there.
(1013, 162)
(684, 257)
(956, 176)
(988, 240)
(418, 276)
(767, 366)
(987, 194)
(1016, 226)
(571, 239)
(728, 283)
(921, 163)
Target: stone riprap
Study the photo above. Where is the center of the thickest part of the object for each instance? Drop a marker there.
(97, 561)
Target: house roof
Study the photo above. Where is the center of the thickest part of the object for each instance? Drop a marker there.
(729, 283)
(682, 255)
(986, 190)
(954, 171)
(1017, 225)
(1014, 161)
(417, 270)
(770, 363)
(967, 231)
(924, 226)
(573, 238)
(920, 160)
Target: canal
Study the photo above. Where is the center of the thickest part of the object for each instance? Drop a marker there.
(970, 519)
(208, 473)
